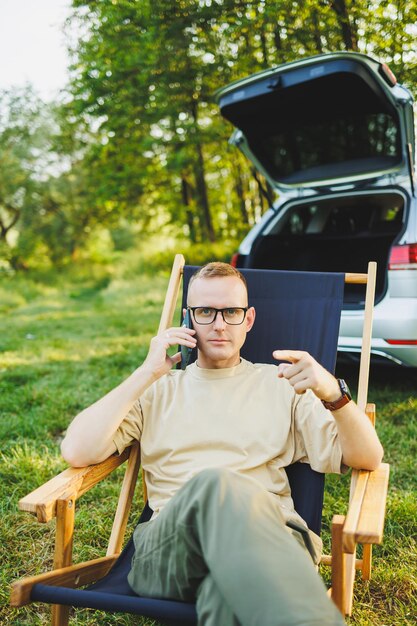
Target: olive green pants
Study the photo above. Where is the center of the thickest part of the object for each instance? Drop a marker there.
(221, 541)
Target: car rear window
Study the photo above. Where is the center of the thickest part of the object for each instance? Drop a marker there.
(358, 218)
(355, 142)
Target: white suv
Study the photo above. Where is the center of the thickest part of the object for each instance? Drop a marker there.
(334, 136)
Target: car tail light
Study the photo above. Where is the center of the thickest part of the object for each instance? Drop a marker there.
(403, 257)
(388, 74)
(235, 260)
(402, 342)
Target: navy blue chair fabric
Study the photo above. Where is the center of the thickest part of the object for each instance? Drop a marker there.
(113, 593)
(296, 311)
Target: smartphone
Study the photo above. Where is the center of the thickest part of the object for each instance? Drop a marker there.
(185, 350)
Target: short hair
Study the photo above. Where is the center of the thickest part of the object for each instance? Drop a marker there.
(218, 269)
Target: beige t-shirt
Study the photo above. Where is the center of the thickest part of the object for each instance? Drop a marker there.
(243, 418)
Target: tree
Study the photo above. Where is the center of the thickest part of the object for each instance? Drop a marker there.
(48, 202)
(23, 156)
(148, 72)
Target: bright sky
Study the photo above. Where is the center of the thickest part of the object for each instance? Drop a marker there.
(32, 44)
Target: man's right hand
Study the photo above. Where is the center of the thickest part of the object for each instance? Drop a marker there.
(159, 362)
(90, 436)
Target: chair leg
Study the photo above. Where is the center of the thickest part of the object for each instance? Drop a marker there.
(367, 561)
(59, 615)
(343, 569)
(65, 516)
(338, 563)
(350, 570)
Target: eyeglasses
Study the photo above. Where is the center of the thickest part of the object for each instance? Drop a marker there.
(206, 314)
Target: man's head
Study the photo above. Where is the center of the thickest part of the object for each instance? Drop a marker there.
(219, 286)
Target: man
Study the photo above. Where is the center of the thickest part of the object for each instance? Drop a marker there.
(215, 439)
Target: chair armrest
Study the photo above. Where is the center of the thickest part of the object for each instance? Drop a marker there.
(365, 518)
(72, 482)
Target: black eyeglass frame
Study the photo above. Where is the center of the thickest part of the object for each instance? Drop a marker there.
(216, 311)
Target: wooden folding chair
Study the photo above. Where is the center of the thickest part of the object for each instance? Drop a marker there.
(363, 523)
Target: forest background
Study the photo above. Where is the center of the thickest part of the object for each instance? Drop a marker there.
(135, 144)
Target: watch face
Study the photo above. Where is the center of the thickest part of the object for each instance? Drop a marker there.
(344, 388)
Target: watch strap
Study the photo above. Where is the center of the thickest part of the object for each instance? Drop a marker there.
(342, 401)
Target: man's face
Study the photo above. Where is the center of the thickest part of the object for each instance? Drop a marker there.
(219, 343)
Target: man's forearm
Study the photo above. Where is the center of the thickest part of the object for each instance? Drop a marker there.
(361, 448)
(89, 438)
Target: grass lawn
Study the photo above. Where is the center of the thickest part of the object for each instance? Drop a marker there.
(65, 341)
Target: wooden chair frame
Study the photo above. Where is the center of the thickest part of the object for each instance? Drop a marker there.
(363, 523)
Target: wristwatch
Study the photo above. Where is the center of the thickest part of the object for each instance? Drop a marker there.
(344, 398)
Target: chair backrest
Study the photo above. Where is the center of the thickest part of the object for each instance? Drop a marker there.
(297, 311)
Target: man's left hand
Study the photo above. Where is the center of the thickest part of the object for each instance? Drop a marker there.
(303, 372)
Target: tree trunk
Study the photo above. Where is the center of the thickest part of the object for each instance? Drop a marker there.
(4, 230)
(278, 41)
(185, 192)
(264, 47)
(201, 187)
(201, 191)
(349, 35)
(316, 32)
(239, 187)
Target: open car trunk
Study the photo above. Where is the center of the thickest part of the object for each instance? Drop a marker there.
(330, 118)
(335, 234)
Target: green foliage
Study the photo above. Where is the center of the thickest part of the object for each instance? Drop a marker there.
(158, 255)
(45, 210)
(22, 150)
(138, 144)
(123, 238)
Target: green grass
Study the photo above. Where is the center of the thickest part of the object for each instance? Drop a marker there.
(66, 340)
